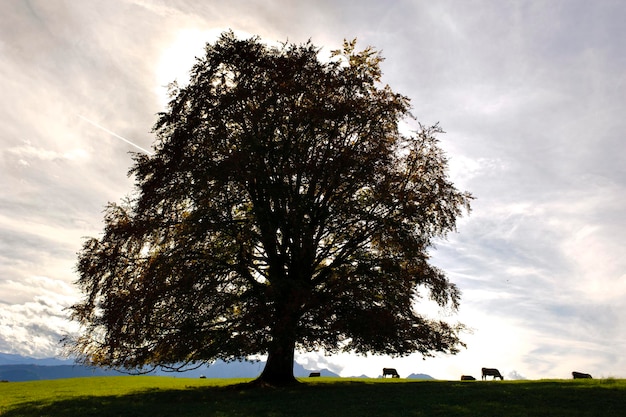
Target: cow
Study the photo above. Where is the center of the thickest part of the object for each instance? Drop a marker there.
(580, 375)
(467, 378)
(390, 371)
(314, 374)
(492, 372)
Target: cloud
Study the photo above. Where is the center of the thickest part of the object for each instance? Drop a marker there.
(34, 327)
(28, 151)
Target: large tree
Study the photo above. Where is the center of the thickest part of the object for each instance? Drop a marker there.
(283, 209)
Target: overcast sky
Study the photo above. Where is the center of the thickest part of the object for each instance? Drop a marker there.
(532, 95)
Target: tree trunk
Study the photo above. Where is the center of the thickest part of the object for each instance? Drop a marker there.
(289, 299)
(278, 369)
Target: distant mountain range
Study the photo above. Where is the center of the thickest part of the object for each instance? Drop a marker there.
(20, 368)
(419, 376)
(9, 359)
(25, 372)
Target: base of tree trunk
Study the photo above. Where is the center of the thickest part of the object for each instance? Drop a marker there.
(262, 383)
(278, 370)
(275, 379)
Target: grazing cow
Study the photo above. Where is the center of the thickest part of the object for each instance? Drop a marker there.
(390, 371)
(580, 375)
(314, 374)
(492, 372)
(467, 378)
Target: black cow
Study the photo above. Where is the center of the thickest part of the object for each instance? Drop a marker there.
(492, 372)
(467, 378)
(580, 375)
(390, 371)
(314, 374)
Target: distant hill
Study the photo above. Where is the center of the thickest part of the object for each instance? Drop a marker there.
(10, 359)
(413, 376)
(244, 369)
(20, 368)
(25, 372)
(419, 376)
(300, 371)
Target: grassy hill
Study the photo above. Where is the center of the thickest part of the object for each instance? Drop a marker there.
(166, 396)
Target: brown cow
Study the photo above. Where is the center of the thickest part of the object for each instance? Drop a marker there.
(467, 378)
(492, 372)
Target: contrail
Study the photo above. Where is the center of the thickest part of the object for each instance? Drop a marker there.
(114, 134)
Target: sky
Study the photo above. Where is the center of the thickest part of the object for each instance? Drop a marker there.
(531, 94)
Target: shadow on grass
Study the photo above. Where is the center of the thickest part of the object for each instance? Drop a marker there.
(353, 398)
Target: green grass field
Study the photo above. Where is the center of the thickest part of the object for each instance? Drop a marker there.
(165, 396)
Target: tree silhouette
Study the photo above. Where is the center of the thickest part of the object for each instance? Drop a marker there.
(282, 209)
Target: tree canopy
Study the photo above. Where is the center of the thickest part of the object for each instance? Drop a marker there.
(283, 209)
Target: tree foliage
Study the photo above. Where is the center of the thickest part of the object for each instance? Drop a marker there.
(282, 209)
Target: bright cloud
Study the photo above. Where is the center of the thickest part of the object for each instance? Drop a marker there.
(28, 151)
(178, 58)
(35, 326)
